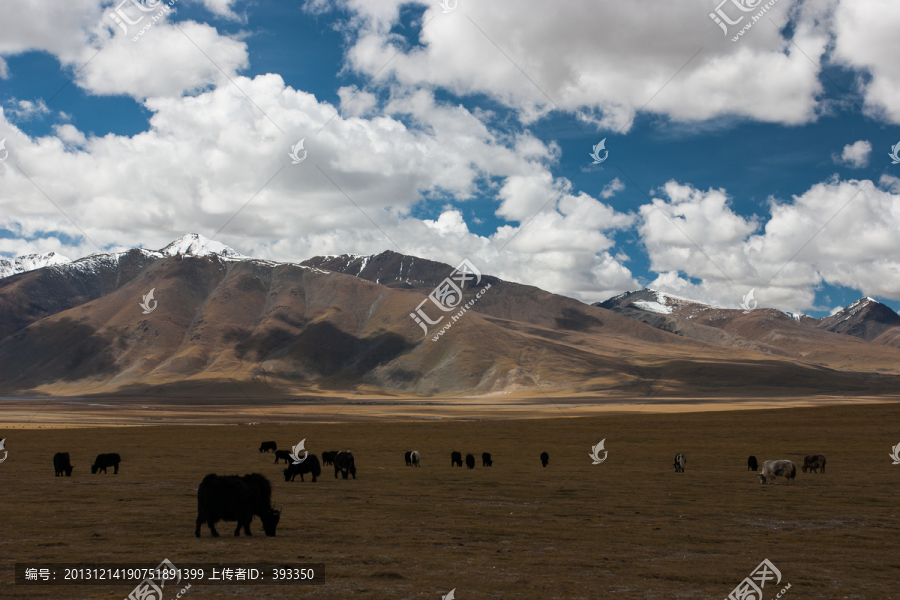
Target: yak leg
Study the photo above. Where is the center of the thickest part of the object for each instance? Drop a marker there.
(314, 477)
(212, 527)
(199, 523)
(116, 467)
(247, 526)
(336, 471)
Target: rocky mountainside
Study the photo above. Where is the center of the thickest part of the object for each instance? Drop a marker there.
(220, 324)
(866, 318)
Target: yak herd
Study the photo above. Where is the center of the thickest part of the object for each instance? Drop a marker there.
(62, 466)
(240, 498)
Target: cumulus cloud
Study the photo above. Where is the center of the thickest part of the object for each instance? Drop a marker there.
(166, 60)
(837, 232)
(855, 155)
(205, 156)
(865, 39)
(587, 65)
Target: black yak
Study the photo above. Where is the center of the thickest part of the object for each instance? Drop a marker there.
(266, 446)
(328, 457)
(470, 461)
(679, 462)
(545, 458)
(343, 462)
(285, 454)
(752, 465)
(106, 460)
(310, 465)
(408, 458)
(455, 459)
(486, 459)
(235, 498)
(61, 464)
(813, 462)
(414, 458)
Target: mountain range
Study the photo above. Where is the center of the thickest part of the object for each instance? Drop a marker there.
(223, 325)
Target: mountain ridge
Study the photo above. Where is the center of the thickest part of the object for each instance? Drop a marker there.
(229, 324)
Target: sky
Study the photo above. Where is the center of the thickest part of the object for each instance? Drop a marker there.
(745, 144)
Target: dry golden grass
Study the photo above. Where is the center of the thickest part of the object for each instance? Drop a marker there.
(628, 528)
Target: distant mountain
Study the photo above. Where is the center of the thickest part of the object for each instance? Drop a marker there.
(228, 326)
(823, 341)
(29, 262)
(656, 302)
(866, 318)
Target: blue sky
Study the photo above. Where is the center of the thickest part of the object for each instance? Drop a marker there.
(787, 139)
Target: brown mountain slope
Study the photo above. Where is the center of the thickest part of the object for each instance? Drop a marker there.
(505, 300)
(31, 296)
(249, 328)
(891, 337)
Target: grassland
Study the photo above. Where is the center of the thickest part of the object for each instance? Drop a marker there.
(627, 528)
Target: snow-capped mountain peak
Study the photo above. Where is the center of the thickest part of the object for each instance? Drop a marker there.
(30, 262)
(194, 244)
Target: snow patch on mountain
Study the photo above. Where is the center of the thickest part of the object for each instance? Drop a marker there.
(654, 307)
(194, 244)
(30, 262)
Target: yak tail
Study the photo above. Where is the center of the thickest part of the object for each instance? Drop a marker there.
(315, 468)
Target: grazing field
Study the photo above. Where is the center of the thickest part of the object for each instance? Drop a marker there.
(629, 527)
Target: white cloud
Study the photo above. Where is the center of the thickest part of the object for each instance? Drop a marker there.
(855, 155)
(205, 156)
(222, 8)
(838, 232)
(587, 65)
(612, 188)
(82, 36)
(26, 110)
(865, 38)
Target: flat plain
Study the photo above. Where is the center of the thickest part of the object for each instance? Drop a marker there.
(629, 527)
